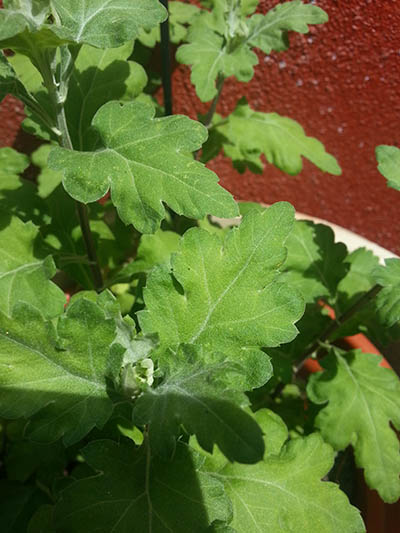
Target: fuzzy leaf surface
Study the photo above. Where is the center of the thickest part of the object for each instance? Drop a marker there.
(249, 134)
(61, 390)
(9, 82)
(363, 399)
(315, 263)
(389, 164)
(269, 32)
(388, 300)
(209, 57)
(204, 396)
(284, 492)
(106, 23)
(144, 161)
(99, 77)
(153, 250)
(26, 270)
(180, 15)
(220, 42)
(176, 497)
(373, 318)
(226, 296)
(18, 15)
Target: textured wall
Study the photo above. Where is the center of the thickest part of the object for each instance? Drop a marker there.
(341, 82)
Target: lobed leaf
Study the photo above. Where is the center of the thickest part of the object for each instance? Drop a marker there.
(9, 82)
(204, 394)
(180, 15)
(315, 263)
(59, 384)
(19, 15)
(284, 492)
(226, 296)
(388, 300)
(220, 42)
(26, 270)
(24, 24)
(208, 58)
(389, 164)
(129, 491)
(144, 161)
(269, 32)
(99, 76)
(363, 400)
(248, 134)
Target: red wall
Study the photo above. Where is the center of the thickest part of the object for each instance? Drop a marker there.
(342, 83)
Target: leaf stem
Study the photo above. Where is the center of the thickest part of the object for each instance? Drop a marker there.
(337, 323)
(65, 141)
(210, 113)
(166, 63)
(147, 479)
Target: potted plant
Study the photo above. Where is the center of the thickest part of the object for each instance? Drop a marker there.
(168, 393)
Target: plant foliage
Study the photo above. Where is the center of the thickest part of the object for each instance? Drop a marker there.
(151, 356)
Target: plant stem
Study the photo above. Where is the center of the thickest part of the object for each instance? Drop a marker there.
(210, 113)
(65, 142)
(337, 323)
(89, 244)
(166, 63)
(147, 478)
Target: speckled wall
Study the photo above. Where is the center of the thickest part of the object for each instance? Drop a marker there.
(342, 83)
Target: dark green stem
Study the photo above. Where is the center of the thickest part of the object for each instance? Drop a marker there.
(337, 323)
(207, 120)
(65, 142)
(166, 63)
(210, 113)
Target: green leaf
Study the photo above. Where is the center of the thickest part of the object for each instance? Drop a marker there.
(18, 15)
(269, 32)
(204, 394)
(284, 492)
(48, 180)
(374, 317)
(180, 15)
(127, 493)
(153, 250)
(359, 279)
(17, 504)
(61, 390)
(315, 263)
(249, 134)
(98, 77)
(388, 300)
(25, 458)
(221, 41)
(25, 27)
(363, 399)
(105, 23)
(144, 162)
(389, 164)
(226, 296)
(248, 7)
(25, 270)
(27, 73)
(208, 58)
(9, 82)
(12, 162)
(42, 520)
(310, 326)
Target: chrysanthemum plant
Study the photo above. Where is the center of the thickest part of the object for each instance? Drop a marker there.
(151, 359)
